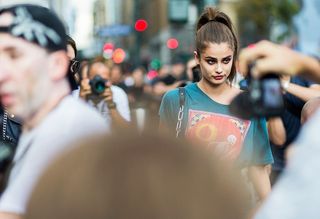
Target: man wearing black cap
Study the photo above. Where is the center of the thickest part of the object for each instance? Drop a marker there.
(34, 87)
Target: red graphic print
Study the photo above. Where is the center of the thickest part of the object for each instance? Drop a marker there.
(224, 134)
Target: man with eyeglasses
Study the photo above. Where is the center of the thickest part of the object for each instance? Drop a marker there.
(34, 87)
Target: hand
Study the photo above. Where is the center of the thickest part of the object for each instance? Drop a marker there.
(285, 81)
(85, 89)
(107, 95)
(270, 57)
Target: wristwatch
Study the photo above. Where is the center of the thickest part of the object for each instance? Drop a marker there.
(285, 85)
(111, 105)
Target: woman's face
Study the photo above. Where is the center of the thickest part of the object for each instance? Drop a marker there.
(215, 62)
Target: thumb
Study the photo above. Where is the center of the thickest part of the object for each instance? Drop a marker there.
(108, 83)
(84, 71)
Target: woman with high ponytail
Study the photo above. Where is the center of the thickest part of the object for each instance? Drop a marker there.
(206, 117)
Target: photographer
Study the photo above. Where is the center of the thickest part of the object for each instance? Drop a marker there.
(297, 193)
(284, 129)
(111, 101)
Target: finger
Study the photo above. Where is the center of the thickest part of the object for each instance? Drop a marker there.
(107, 93)
(252, 53)
(84, 71)
(85, 83)
(108, 83)
(263, 67)
(108, 99)
(245, 58)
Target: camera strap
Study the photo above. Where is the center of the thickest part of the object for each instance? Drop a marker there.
(181, 109)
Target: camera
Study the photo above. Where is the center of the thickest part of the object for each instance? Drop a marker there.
(266, 96)
(261, 97)
(97, 84)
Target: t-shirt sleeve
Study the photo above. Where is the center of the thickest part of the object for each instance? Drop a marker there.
(169, 108)
(121, 99)
(261, 147)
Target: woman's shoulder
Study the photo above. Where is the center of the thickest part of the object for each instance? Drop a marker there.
(234, 91)
(171, 95)
(175, 92)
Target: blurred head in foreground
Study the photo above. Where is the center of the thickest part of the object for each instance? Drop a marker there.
(309, 109)
(131, 176)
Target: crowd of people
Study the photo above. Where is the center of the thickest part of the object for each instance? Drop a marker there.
(98, 139)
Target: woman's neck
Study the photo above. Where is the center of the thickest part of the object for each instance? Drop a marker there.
(213, 91)
(221, 93)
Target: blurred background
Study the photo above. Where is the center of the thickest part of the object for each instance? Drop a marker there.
(151, 32)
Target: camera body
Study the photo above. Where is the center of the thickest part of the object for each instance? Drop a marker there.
(266, 96)
(98, 85)
(262, 97)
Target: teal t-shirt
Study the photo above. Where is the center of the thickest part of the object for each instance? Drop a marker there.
(245, 141)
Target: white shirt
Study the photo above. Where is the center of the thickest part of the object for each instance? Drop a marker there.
(120, 98)
(297, 194)
(69, 122)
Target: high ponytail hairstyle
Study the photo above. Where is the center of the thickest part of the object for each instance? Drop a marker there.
(214, 26)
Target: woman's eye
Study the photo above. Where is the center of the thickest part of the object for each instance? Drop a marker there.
(226, 61)
(210, 62)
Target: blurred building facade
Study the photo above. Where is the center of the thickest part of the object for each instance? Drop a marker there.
(166, 19)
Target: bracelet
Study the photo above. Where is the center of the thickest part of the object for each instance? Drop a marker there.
(111, 105)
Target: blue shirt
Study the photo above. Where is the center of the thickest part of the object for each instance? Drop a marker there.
(211, 123)
(291, 122)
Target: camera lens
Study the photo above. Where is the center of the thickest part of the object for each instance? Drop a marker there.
(97, 85)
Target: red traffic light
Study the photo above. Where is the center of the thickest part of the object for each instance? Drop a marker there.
(141, 25)
(172, 43)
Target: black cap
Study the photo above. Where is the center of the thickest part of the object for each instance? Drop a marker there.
(36, 24)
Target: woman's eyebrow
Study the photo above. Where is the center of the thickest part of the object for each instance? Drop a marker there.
(210, 57)
(227, 57)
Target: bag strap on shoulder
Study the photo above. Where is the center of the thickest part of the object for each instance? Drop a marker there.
(182, 99)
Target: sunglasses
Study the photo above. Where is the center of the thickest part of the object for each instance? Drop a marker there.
(74, 66)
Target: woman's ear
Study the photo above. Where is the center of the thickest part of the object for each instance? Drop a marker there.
(196, 57)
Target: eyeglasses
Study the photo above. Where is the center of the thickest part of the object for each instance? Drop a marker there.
(74, 66)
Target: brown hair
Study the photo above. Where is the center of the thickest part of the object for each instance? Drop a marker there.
(133, 176)
(216, 27)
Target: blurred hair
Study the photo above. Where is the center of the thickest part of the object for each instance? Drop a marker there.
(215, 26)
(132, 176)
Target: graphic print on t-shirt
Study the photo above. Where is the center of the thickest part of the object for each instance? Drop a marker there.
(224, 134)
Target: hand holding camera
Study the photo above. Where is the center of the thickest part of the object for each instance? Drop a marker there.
(96, 89)
(262, 97)
(270, 57)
